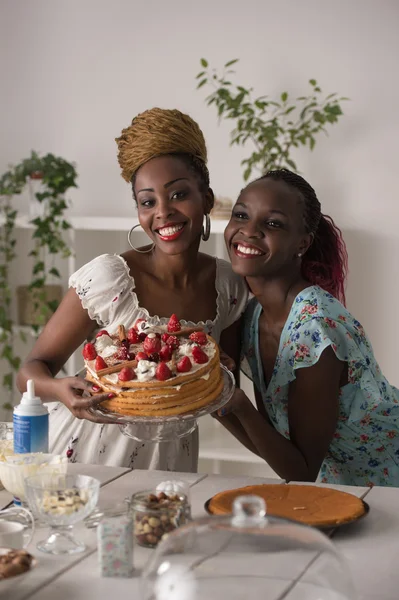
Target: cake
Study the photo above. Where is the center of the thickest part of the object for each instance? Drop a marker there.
(308, 504)
(155, 370)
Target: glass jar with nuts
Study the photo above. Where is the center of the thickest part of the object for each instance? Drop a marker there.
(157, 513)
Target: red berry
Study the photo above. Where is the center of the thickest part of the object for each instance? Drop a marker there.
(123, 353)
(89, 351)
(199, 337)
(137, 323)
(126, 374)
(153, 357)
(173, 342)
(174, 324)
(100, 363)
(142, 337)
(199, 355)
(165, 353)
(133, 336)
(184, 365)
(102, 332)
(165, 337)
(163, 372)
(141, 356)
(152, 344)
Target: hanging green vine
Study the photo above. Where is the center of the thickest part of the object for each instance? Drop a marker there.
(7, 254)
(56, 176)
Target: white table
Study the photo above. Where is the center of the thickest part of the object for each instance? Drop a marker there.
(370, 546)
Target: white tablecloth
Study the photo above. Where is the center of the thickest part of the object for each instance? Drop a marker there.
(370, 546)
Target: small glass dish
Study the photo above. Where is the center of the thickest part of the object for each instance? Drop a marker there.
(61, 501)
(156, 513)
(17, 527)
(15, 468)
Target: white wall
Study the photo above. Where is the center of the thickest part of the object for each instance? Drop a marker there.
(73, 73)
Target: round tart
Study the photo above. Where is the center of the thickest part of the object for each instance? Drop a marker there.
(308, 504)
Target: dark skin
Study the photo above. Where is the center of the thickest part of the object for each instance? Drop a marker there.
(268, 220)
(173, 278)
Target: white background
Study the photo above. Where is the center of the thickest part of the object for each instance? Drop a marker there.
(74, 73)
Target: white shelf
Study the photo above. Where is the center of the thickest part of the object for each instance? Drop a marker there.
(107, 223)
(219, 444)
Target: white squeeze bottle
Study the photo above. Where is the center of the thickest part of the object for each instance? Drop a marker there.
(30, 423)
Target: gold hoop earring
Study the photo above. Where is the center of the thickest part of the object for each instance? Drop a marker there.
(206, 231)
(133, 247)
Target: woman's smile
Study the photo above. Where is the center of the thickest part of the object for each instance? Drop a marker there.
(245, 250)
(170, 231)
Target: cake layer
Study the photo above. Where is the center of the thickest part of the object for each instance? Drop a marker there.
(153, 384)
(126, 407)
(166, 395)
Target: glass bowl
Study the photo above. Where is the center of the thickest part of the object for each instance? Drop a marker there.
(61, 501)
(247, 555)
(15, 468)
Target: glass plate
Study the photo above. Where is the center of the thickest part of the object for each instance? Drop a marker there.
(163, 429)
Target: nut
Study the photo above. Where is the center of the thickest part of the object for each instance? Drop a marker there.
(154, 522)
(151, 539)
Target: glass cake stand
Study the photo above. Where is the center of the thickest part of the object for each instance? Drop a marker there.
(165, 429)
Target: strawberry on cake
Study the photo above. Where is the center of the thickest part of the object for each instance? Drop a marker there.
(154, 370)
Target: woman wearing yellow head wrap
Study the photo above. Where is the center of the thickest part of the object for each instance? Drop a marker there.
(162, 154)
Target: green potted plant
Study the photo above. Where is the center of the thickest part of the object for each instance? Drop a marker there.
(273, 127)
(37, 300)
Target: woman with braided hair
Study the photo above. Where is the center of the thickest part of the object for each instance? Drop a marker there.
(162, 154)
(323, 406)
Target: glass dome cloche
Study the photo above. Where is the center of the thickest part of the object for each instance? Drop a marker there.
(247, 556)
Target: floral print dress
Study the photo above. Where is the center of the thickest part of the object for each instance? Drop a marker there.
(107, 291)
(365, 447)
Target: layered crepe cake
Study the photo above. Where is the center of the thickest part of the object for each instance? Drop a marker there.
(155, 370)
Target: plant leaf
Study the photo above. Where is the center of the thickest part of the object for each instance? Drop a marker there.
(231, 62)
(204, 63)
